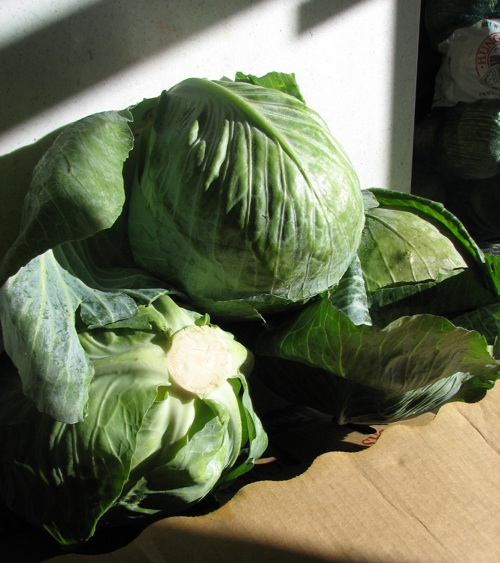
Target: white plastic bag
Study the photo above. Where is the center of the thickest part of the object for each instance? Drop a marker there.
(470, 69)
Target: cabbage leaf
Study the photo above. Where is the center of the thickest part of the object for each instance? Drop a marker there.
(43, 306)
(417, 257)
(77, 188)
(366, 374)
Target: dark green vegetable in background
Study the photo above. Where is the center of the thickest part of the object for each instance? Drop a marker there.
(456, 158)
(477, 203)
(466, 140)
(443, 17)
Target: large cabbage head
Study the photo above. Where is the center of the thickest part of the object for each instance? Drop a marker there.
(244, 202)
(169, 419)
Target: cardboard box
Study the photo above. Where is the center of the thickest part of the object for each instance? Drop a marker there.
(420, 491)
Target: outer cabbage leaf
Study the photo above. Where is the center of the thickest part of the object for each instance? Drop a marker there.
(367, 375)
(147, 447)
(77, 187)
(418, 258)
(285, 82)
(401, 248)
(485, 320)
(350, 295)
(41, 309)
(436, 214)
(246, 203)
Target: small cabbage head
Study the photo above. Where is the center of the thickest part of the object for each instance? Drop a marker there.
(169, 420)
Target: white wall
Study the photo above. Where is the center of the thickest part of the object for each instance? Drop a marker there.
(355, 62)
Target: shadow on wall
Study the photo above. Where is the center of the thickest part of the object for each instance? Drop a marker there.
(404, 78)
(100, 40)
(316, 12)
(94, 43)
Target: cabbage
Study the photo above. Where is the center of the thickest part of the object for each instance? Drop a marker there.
(245, 203)
(263, 211)
(412, 325)
(121, 400)
(169, 420)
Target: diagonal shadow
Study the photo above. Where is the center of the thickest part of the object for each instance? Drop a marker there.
(90, 45)
(315, 12)
(404, 72)
(95, 43)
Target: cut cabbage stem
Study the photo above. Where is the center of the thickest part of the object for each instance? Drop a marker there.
(198, 359)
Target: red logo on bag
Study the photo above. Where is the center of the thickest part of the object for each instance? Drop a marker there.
(488, 61)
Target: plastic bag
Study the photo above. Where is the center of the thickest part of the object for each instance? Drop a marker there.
(470, 68)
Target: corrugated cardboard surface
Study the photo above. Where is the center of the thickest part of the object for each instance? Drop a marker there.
(426, 491)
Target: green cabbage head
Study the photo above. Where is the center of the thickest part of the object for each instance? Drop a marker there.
(169, 420)
(244, 201)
